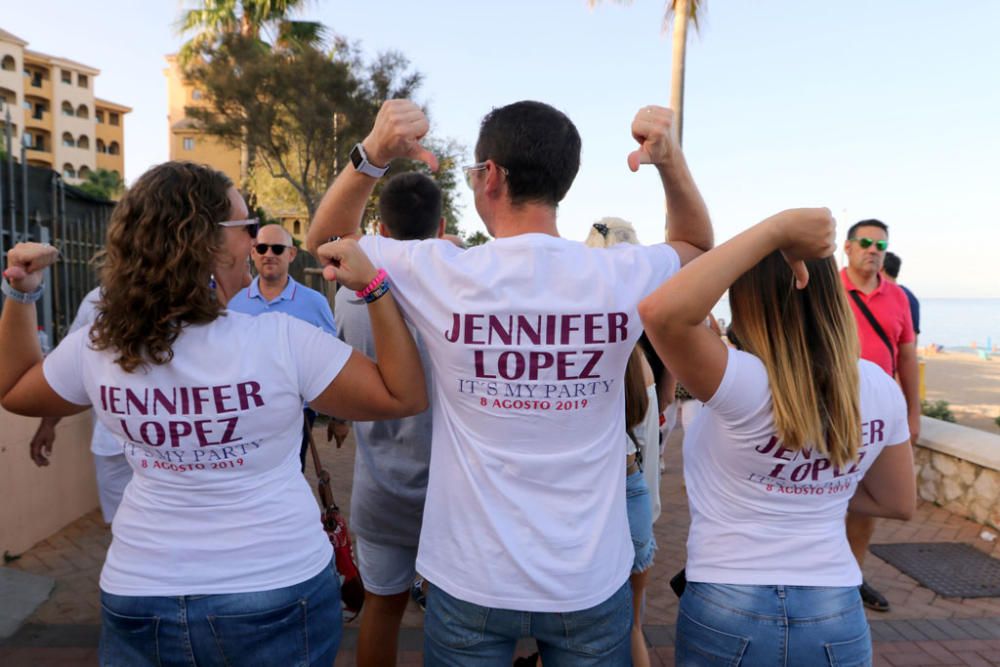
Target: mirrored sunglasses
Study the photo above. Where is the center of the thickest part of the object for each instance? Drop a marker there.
(866, 243)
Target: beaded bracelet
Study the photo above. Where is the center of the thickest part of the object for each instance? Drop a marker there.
(18, 295)
(376, 281)
(378, 292)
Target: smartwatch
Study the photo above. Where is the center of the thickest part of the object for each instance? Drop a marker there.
(361, 164)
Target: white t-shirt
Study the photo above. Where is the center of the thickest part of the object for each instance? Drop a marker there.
(102, 441)
(765, 515)
(217, 503)
(528, 338)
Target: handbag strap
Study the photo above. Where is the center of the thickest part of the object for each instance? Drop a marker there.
(863, 307)
(322, 479)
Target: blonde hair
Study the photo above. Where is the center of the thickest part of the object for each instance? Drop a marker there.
(807, 340)
(616, 231)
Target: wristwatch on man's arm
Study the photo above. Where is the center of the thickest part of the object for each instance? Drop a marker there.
(361, 164)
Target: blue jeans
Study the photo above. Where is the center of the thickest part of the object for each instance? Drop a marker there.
(462, 634)
(640, 520)
(298, 626)
(772, 626)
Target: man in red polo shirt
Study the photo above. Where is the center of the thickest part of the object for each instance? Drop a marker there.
(892, 346)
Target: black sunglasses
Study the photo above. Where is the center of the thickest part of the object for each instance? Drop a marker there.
(276, 248)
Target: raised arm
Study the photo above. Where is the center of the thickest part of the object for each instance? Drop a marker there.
(23, 388)
(674, 315)
(366, 390)
(399, 127)
(689, 228)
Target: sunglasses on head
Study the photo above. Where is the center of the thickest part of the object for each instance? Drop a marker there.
(251, 225)
(276, 248)
(866, 243)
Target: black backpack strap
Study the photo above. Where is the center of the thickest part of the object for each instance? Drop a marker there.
(876, 326)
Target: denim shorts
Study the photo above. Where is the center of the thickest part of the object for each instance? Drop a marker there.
(463, 634)
(297, 626)
(640, 520)
(769, 626)
(387, 569)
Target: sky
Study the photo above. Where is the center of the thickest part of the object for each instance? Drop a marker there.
(882, 109)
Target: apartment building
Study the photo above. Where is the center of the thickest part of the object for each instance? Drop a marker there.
(187, 141)
(54, 113)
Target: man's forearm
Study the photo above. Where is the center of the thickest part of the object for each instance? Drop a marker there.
(687, 215)
(342, 208)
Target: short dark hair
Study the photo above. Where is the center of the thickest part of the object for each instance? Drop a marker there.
(871, 222)
(410, 206)
(891, 263)
(539, 147)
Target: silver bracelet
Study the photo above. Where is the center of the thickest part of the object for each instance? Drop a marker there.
(19, 296)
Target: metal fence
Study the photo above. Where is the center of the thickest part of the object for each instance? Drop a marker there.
(36, 205)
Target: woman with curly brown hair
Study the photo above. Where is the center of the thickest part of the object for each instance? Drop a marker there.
(218, 555)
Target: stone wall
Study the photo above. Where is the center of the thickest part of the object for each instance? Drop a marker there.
(958, 468)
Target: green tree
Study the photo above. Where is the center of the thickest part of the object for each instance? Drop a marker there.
(680, 13)
(216, 21)
(476, 238)
(104, 184)
(303, 109)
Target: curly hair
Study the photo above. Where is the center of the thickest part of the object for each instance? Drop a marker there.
(162, 245)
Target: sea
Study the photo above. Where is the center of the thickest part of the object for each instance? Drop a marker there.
(959, 325)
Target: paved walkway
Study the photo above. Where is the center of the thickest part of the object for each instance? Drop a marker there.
(923, 629)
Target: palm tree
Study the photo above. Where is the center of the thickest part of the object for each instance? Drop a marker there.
(248, 18)
(681, 12)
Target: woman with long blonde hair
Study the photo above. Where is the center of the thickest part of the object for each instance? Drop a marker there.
(795, 429)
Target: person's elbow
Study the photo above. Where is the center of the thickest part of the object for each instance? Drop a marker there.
(418, 401)
(651, 313)
(313, 241)
(902, 508)
(659, 316)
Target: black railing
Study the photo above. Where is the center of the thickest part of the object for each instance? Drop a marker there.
(36, 205)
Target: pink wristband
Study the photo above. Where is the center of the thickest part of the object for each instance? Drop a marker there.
(376, 281)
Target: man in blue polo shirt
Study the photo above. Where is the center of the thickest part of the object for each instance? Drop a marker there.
(274, 291)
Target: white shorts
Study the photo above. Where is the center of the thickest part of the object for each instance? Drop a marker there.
(113, 475)
(386, 569)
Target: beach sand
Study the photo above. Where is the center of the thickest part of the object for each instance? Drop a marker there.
(970, 385)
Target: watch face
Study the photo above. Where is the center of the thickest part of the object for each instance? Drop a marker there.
(356, 157)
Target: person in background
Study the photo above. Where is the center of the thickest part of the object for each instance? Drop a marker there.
(884, 325)
(642, 450)
(795, 430)
(275, 291)
(218, 554)
(890, 271)
(110, 465)
(393, 456)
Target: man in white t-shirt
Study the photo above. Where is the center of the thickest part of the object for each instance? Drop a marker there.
(528, 336)
(110, 464)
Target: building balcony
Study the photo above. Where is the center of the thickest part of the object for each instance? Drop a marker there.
(40, 155)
